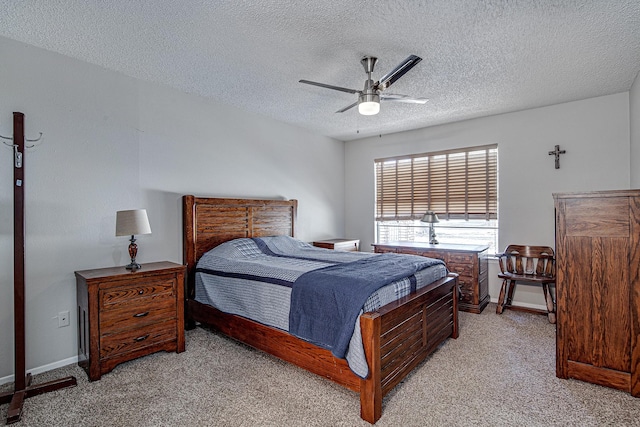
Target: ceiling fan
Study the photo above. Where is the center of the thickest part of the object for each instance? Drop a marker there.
(369, 98)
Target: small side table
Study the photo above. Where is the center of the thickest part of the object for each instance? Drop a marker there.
(126, 314)
(348, 245)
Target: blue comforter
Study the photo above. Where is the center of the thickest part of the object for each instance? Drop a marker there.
(326, 302)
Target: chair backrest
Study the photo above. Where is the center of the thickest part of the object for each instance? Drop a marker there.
(528, 261)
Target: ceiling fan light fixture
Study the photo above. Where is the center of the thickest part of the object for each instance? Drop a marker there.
(369, 104)
(369, 97)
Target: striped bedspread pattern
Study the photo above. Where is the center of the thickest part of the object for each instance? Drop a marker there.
(254, 278)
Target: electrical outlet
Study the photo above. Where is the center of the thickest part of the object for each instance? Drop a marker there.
(63, 319)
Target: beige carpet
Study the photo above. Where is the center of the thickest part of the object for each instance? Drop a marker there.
(501, 371)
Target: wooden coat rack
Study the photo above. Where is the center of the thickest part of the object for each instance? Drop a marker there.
(22, 386)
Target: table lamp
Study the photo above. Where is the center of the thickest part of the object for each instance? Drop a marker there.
(130, 223)
(431, 218)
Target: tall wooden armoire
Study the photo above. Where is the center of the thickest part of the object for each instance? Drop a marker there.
(598, 288)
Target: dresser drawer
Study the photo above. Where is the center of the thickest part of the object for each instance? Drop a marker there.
(137, 314)
(383, 250)
(435, 255)
(465, 271)
(462, 258)
(140, 295)
(466, 294)
(483, 263)
(134, 339)
(467, 286)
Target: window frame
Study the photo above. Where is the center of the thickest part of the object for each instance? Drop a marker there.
(458, 184)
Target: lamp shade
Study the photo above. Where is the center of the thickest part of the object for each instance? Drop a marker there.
(430, 217)
(132, 222)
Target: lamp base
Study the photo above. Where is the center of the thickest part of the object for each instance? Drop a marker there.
(432, 235)
(133, 266)
(133, 252)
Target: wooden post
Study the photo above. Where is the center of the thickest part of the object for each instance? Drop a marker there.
(18, 249)
(371, 387)
(22, 385)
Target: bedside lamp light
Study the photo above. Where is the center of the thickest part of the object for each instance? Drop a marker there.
(130, 223)
(431, 218)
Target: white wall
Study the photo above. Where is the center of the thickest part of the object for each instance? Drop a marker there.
(112, 142)
(595, 133)
(228, 154)
(634, 118)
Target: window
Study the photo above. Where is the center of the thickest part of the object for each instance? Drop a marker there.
(461, 186)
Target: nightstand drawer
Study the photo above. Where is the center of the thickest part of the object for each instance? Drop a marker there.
(134, 339)
(136, 315)
(144, 293)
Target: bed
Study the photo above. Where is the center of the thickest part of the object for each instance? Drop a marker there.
(396, 337)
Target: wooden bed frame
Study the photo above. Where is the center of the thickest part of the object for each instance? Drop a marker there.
(396, 338)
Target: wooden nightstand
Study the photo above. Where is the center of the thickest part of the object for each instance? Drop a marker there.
(349, 245)
(469, 261)
(123, 315)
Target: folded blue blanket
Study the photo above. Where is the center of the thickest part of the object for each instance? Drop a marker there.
(326, 302)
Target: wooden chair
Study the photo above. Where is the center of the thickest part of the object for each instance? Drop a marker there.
(530, 264)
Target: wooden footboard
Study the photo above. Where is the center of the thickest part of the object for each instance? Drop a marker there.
(400, 335)
(396, 338)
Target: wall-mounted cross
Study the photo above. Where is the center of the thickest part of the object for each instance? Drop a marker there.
(557, 153)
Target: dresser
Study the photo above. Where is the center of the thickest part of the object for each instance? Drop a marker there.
(123, 314)
(598, 288)
(469, 261)
(349, 245)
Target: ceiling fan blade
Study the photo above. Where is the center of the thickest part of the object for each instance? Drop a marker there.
(341, 89)
(393, 75)
(402, 98)
(347, 108)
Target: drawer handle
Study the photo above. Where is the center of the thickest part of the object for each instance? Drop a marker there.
(142, 338)
(141, 314)
(140, 292)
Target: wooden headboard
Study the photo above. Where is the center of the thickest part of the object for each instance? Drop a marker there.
(208, 222)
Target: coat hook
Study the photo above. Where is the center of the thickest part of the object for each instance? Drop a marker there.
(26, 140)
(33, 140)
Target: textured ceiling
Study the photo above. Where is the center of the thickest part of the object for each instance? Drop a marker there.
(479, 57)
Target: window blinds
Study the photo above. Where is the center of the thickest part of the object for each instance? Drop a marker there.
(456, 184)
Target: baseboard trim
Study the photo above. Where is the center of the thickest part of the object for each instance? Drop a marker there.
(41, 369)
